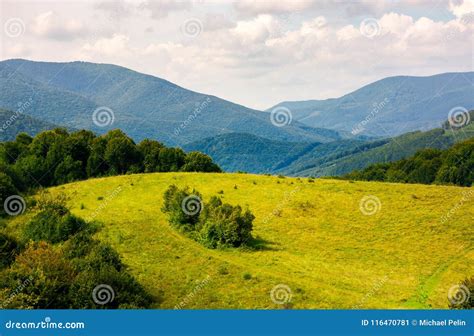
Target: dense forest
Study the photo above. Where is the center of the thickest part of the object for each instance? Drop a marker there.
(454, 166)
(57, 156)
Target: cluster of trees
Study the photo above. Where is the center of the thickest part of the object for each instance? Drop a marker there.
(57, 264)
(453, 166)
(214, 224)
(57, 157)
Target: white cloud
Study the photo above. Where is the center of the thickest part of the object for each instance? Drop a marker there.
(257, 30)
(160, 9)
(255, 7)
(461, 7)
(117, 45)
(259, 58)
(50, 25)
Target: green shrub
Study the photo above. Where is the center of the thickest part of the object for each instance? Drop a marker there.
(79, 245)
(6, 189)
(214, 224)
(53, 225)
(102, 267)
(224, 225)
(44, 275)
(119, 290)
(9, 248)
(183, 207)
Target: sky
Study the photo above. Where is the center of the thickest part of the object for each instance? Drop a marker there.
(255, 53)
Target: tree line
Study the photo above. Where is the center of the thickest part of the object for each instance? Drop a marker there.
(57, 156)
(452, 166)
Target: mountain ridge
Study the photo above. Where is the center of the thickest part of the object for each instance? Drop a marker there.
(390, 106)
(142, 105)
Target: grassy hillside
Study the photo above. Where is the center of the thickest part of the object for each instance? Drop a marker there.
(313, 238)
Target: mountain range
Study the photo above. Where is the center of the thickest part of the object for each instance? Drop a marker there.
(242, 152)
(389, 107)
(143, 106)
(383, 121)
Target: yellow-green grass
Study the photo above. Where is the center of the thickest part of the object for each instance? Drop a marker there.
(315, 240)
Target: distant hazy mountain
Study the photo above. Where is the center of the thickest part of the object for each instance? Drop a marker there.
(142, 105)
(363, 155)
(390, 106)
(245, 152)
(12, 123)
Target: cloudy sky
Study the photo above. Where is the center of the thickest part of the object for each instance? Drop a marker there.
(256, 53)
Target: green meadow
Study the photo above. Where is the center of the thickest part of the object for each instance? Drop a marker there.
(404, 248)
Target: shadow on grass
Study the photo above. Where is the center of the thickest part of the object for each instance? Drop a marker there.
(260, 244)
